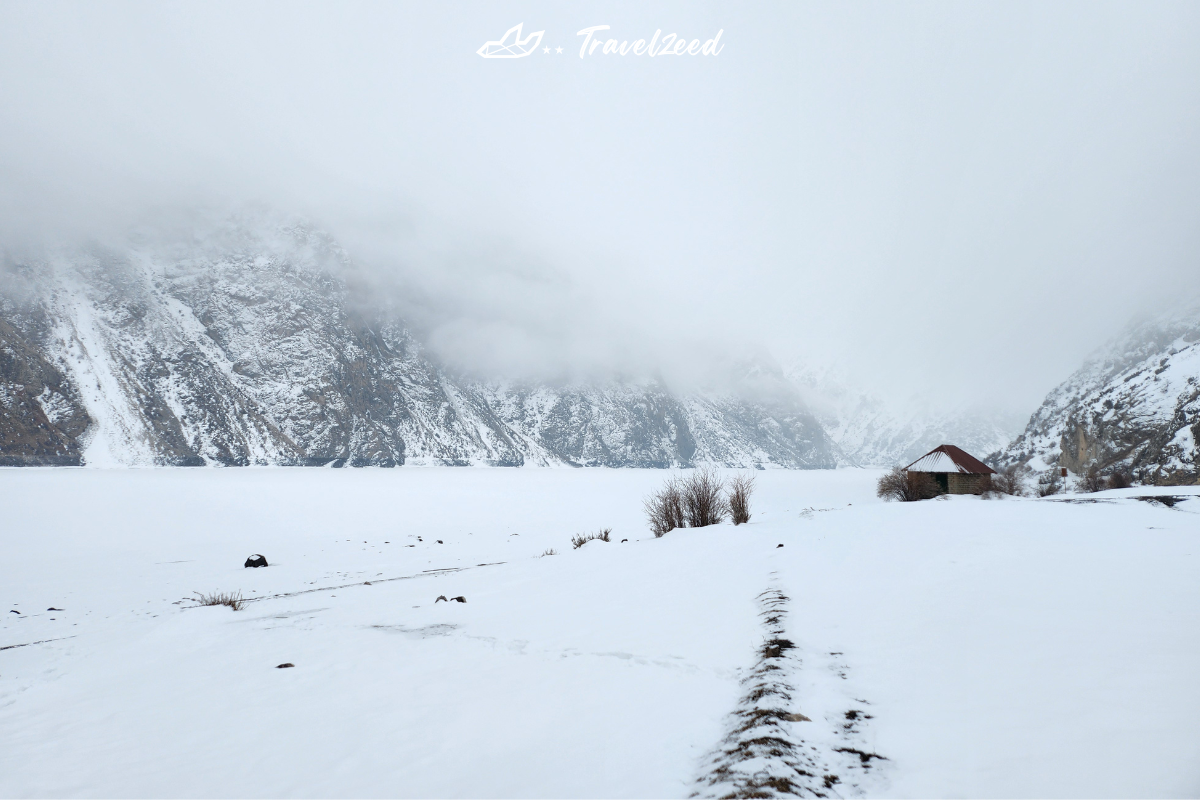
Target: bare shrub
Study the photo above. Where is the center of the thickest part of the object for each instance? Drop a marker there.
(1009, 481)
(1092, 480)
(741, 486)
(232, 599)
(549, 552)
(703, 498)
(579, 540)
(664, 508)
(900, 484)
(1049, 483)
(1119, 479)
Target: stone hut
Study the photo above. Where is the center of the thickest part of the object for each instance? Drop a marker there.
(954, 470)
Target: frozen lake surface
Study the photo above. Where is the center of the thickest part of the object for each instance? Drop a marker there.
(958, 647)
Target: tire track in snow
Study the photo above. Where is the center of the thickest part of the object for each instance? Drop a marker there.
(774, 750)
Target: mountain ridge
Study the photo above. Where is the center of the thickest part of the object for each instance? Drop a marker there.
(247, 348)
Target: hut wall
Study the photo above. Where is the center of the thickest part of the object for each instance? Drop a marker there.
(969, 484)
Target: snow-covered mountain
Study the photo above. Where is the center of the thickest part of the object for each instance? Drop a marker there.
(1135, 404)
(246, 346)
(867, 431)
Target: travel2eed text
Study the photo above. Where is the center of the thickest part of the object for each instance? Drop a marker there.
(514, 45)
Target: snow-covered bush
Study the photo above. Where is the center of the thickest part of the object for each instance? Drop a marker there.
(664, 508)
(1009, 481)
(900, 484)
(741, 486)
(1049, 483)
(694, 501)
(1092, 480)
(704, 498)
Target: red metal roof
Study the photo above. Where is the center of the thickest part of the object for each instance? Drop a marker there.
(959, 461)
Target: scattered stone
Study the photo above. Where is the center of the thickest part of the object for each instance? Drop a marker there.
(459, 599)
(18, 613)
(285, 666)
(778, 546)
(52, 608)
(366, 583)
(439, 541)
(256, 560)
(623, 541)
(441, 597)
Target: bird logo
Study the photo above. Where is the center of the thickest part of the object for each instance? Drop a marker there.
(512, 45)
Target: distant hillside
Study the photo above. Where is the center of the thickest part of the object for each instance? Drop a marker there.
(1134, 405)
(866, 431)
(244, 346)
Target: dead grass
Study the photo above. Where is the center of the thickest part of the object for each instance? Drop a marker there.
(579, 540)
(232, 599)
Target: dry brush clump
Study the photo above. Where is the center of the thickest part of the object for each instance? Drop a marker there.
(1120, 479)
(704, 498)
(698, 500)
(741, 486)
(579, 540)
(1049, 483)
(900, 484)
(1009, 480)
(664, 508)
(232, 599)
(1092, 481)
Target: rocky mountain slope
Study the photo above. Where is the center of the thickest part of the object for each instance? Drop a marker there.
(867, 431)
(1135, 405)
(245, 346)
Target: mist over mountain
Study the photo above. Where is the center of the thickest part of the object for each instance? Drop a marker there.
(247, 345)
(868, 428)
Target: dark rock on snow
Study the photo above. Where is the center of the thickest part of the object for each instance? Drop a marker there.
(256, 561)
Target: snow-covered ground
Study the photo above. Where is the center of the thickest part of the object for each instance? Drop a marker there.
(981, 648)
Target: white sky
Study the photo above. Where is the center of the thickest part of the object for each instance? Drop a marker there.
(962, 198)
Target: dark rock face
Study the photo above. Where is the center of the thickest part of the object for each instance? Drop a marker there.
(249, 349)
(256, 561)
(1136, 406)
(42, 416)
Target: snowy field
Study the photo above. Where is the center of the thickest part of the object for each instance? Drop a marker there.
(957, 647)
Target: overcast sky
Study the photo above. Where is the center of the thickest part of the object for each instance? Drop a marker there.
(958, 198)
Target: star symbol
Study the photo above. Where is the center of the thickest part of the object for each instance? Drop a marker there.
(546, 50)
(558, 50)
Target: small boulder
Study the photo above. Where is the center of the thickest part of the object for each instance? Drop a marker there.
(256, 560)
(778, 546)
(285, 666)
(459, 599)
(441, 597)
